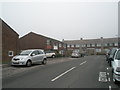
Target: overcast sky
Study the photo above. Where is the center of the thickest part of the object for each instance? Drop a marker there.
(63, 20)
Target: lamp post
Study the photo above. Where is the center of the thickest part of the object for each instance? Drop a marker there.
(102, 45)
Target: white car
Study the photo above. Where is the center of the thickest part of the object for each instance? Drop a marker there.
(50, 54)
(76, 54)
(115, 63)
(29, 57)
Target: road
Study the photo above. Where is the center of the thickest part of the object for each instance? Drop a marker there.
(85, 72)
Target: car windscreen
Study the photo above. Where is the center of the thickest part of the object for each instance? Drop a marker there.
(113, 51)
(118, 55)
(27, 52)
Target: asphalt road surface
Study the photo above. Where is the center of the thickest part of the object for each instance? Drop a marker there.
(85, 72)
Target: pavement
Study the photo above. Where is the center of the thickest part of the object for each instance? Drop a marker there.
(85, 72)
(5, 65)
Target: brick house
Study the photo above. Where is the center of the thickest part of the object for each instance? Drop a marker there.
(37, 41)
(10, 42)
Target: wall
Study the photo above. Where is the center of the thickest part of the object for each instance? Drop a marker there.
(0, 40)
(9, 42)
(32, 41)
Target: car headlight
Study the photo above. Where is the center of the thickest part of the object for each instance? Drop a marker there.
(118, 69)
(21, 58)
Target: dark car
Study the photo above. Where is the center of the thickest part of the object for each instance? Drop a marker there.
(107, 54)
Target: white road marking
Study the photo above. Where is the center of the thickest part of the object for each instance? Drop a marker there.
(109, 87)
(107, 68)
(63, 74)
(109, 79)
(102, 77)
(83, 63)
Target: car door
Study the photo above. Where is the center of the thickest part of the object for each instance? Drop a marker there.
(34, 56)
(116, 62)
(41, 56)
(113, 62)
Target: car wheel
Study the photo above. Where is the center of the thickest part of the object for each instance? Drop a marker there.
(53, 56)
(114, 80)
(44, 61)
(29, 63)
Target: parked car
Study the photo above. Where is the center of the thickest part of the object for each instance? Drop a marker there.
(50, 54)
(115, 64)
(29, 57)
(76, 54)
(107, 55)
(110, 55)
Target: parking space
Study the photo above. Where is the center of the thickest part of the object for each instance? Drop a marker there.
(9, 70)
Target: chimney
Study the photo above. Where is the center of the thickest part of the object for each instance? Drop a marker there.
(81, 38)
(101, 37)
(63, 40)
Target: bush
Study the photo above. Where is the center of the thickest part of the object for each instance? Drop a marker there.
(58, 55)
(100, 53)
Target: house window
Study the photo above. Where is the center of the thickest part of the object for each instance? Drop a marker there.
(98, 50)
(10, 53)
(93, 45)
(83, 45)
(60, 45)
(68, 45)
(72, 45)
(77, 45)
(88, 45)
(106, 44)
(110, 44)
(48, 42)
(98, 45)
(64, 45)
(113, 44)
(116, 44)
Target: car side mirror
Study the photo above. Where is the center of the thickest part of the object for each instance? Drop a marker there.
(111, 59)
(33, 54)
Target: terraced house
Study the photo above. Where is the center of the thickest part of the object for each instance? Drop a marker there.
(34, 40)
(92, 46)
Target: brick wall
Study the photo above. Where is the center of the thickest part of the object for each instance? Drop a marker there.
(0, 40)
(32, 41)
(9, 41)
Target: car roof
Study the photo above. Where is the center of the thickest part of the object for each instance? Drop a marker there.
(33, 49)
